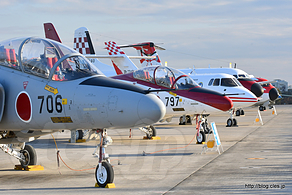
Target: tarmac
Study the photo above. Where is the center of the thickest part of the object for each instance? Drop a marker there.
(256, 159)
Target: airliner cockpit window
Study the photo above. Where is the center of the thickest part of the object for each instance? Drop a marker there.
(228, 82)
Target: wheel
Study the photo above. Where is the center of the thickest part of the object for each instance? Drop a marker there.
(237, 113)
(79, 134)
(201, 137)
(188, 119)
(242, 112)
(106, 176)
(234, 122)
(265, 108)
(261, 108)
(151, 132)
(181, 122)
(30, 156)
(229, 122)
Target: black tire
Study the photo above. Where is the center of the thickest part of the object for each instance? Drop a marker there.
(181, 122)
(201, 137)
(242, 112)
(152, 132)
(261, 108)
(79, 134)
(30, 156)
(229, 122)
(234, 122)
(188, 119)
(237, 113)
(107, 175)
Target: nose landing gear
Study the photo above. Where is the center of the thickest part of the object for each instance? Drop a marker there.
(104, 173)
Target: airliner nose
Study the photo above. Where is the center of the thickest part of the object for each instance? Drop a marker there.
(273, 94)
(150, 109)
(257, 89)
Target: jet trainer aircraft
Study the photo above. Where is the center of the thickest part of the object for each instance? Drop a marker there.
(47, 87)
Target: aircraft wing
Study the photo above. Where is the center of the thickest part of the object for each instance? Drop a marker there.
(266, 82)
(111, 56)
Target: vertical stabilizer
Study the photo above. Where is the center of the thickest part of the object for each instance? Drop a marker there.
(51, 33)
(120, 60)
(147, 49)
(82, 41)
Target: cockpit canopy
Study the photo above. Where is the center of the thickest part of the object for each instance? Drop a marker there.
(45, 58)
(165, 76)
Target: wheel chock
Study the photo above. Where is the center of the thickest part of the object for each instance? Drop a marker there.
(109, 185)
(201, 143)
(29, 168)
(78, 141)
(152, 138)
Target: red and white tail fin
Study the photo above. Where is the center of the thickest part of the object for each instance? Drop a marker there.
(82, 41)
(147, 49)
(120, 60)
(51, 33)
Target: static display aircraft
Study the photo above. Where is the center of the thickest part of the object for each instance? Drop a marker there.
(187, 104)
(270, 92)
(222, 83)
(189, 98)
(47, 87)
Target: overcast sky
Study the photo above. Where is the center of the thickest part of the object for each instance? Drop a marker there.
(256, 35)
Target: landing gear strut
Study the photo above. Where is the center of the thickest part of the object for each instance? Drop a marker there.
(26, 155)
(202, 128)
(104, 173)
(150, 131)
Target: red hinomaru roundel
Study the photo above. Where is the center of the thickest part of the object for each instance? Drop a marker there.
(23, 106)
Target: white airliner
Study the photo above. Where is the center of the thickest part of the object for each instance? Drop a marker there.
(270, 93)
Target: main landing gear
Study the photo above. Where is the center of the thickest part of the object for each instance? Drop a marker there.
(262, 108)
(104, 173)
(231, 121)
(185, 120)
(150, 131)
(26, 154)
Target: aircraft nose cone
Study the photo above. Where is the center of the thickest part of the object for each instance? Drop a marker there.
(224, 103)
(212, 98)
(273, 94)
(257, 89)
(150, 109)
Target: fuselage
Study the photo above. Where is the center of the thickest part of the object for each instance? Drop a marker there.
(240, 75)
(71, 94)
(194, 100)
(228, 85)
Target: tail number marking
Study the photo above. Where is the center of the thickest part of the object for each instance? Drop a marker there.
(172, 101)
(50, 103)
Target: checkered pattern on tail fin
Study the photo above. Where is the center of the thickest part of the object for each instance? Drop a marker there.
(81, 44)
(113, 49)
